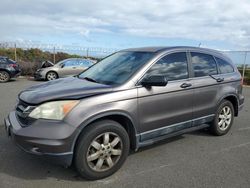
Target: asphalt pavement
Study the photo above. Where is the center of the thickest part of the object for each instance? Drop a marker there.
(196, 159)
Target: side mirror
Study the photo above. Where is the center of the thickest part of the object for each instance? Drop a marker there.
(62, 65)
(157, 80)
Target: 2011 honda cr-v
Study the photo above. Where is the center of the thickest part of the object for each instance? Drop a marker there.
(130, 99)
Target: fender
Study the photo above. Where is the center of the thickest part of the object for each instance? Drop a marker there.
(229, 95)
(101, 115)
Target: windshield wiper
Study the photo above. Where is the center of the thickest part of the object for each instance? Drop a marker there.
(90, 79)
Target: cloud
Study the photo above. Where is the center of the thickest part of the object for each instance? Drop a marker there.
(183, 19)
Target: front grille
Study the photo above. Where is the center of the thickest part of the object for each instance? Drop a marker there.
(22, 112)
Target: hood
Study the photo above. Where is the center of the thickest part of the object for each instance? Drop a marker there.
(46, 64)
(65, 88)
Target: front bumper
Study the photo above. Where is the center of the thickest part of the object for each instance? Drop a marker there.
(38, 76)
(52, 140)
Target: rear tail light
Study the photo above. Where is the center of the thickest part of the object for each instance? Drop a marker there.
(241, 81)
(13, 65)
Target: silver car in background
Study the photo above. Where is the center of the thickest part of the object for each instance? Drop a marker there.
(64, 68)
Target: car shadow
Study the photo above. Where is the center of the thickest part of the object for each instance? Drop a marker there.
(16, 163)
(158, 144)
(36, 80)
(202, 132)
(11, 80)
(22, 165)
(30, 167)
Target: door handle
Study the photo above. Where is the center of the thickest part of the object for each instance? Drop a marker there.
(219, 79)
(185, 85)
(74, 67)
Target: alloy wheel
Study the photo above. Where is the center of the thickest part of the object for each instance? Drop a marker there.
(225, 118)
(104, 152)
(51, 76)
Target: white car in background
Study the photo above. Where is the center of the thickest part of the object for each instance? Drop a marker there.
(64, 68)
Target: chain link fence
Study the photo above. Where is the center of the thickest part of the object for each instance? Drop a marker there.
(94, 52)
(57, 52)
(30, 55)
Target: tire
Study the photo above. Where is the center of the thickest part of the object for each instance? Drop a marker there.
(51, 75)
(4, 76)
(88, 153)
(223, 119)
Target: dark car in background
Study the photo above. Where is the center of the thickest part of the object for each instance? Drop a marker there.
(131, 99)
(8, 69)
(64, 68)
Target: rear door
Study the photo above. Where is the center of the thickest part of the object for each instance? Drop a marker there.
(82, 65)
(204, 73)
(167, 109)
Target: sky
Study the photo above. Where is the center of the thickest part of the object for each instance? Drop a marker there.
(131, 23)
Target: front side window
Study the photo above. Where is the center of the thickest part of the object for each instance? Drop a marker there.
(70, 63)
(173, 66)
(203, 64)
(117, 68)
(224, 66)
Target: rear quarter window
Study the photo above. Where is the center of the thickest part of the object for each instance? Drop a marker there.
(224, 66)
(2, 60)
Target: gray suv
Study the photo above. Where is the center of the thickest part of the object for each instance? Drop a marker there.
(130, 99)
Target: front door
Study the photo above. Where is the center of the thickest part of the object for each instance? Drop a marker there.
(69, 68)
(163, 110)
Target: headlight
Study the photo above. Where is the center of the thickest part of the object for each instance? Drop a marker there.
(56, 110)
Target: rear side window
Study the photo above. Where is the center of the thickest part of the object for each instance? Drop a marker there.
(10, 61)
(224, 66)
(203, 64)
(85, 63)
(173, 66)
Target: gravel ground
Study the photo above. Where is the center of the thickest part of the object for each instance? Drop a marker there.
(191, 160)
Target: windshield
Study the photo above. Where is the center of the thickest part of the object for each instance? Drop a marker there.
(117, 68)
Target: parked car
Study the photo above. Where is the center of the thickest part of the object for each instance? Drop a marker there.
(64, 68)
(8, 69)
(128, 100)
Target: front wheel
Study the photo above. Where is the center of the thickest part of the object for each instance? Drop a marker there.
(223, 119)
(102, 149)
(51, 75)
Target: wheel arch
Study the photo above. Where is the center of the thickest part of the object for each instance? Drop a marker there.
(51, 71)
(2, 69)
(122, 118)
(234, 100)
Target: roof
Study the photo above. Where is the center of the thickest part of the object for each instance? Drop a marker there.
(162, 48)
(159, 49)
